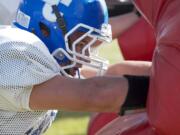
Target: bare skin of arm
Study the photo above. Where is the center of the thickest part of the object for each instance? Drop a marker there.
(130, 68)
(98, 94)
(122, 22)
(122, 68)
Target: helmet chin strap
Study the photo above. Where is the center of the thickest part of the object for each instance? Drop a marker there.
(61, 24)
(78, 74)
(60, 20)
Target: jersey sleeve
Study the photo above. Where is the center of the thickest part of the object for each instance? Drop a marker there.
(22, 66)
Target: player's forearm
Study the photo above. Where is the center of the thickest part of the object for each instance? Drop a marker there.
(122, 22)
(130, 68)
(100, 94)
(106, 94)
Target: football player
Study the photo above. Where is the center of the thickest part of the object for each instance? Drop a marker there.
(51, 40)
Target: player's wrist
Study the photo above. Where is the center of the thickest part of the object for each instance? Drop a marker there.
(137, 93)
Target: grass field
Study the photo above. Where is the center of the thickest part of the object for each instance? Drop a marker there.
(75, 123)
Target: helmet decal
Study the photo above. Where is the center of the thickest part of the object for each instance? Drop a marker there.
(23, 19)
(56, 2)
(52, 2)
(48, 11)
(66, 2)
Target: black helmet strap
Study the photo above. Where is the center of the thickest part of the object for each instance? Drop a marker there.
(60, 20)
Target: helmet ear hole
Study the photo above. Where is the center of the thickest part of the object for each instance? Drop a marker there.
(44, 29)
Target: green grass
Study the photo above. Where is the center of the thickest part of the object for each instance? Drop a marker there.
(74, 123)
(69, 123)
(111, 52)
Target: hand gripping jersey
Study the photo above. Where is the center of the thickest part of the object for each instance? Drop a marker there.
(164, 94)
(24, 62)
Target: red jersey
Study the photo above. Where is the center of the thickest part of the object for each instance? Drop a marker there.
(164, 94)
(163, 105)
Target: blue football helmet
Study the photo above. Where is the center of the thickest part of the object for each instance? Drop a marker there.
(62, 18)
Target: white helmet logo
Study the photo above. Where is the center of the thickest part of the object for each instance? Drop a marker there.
(66, 2)
(47, 9)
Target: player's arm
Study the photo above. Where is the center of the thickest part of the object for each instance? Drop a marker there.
(105, 94)
(124, 67)
(99, 94)
(122, 22)
(130, 68)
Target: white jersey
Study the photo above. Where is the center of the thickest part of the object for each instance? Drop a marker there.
(24, 62)
(8, 10)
